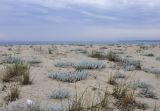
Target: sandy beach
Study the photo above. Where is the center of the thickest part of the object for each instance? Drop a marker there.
(47, 59)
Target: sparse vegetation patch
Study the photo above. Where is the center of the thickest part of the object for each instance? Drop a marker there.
(69, 76)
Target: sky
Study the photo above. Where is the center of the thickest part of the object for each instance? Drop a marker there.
(79, 20)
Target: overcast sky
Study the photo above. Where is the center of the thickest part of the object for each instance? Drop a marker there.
(79, 20)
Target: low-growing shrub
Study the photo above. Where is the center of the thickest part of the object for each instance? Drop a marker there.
(55, 107)
(60, 94)
(148, 93)
(89, 65)
(119, 75)
(10, 60)
(12, 94)
(69, 76)
(129, 64)
(152, 70)
(141, 85)
(64, 64)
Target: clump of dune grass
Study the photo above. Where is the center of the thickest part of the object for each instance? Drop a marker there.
(111, 56)
(89, 65)
(25, 78)
(120, 91)
(78, 103)
(112, 80)
(126, 98)
(98, 54)
(69, 76)
(49, 50)
(17, 72)
(60, 93)
(12, 94)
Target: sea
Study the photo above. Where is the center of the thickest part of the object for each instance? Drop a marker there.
(154, 42)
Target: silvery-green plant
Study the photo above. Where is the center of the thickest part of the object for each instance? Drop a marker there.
(10, 60)
(152, 70)
(64, 64)
(119, 76)
(34, 61)
(55, 107)
(130, 64)
(69, 76)
(89, 65)
(148, 93)
(141, 85)
(60, 93)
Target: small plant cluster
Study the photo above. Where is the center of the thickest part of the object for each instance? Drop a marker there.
(139, 84)
(150, 55)
(130, 64)
(89, 65)
(126, 98)
(152, 70)
(98, 54)
(33, 61)
(10, 60)
(69, 76)
(144, 47)
(18, 71)
(146, 90)
(148, 93)
(113, 78)
(78, 103)
(12, 94)
(111, 56)
(50, 50)
(82, 65)
(64, 64)
(60, 94)
(119, 75)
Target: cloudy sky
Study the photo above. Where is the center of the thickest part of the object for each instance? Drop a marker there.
(79, 20)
